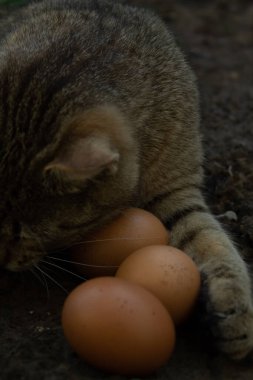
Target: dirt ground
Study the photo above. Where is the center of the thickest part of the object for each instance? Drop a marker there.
(217, 37)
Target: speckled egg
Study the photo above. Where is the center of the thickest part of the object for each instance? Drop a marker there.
(168, 273)
(118, 327)
(105, 249)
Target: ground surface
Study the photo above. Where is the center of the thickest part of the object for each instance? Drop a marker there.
(217, 37)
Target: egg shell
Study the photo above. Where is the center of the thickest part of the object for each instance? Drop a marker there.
(169, 274)
(118, 327)
(105, 249)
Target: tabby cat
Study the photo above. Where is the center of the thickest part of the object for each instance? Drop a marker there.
(99, 112)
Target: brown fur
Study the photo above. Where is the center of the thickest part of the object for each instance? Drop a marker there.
(99, 112)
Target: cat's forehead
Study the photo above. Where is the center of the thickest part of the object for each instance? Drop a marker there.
(33, 103)
(39, 88)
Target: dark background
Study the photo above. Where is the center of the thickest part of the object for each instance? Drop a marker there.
(217, 37)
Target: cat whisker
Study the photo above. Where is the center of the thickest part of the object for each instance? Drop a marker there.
(63, 269)
(36, 275)
(51, 278)
(101, 241)
(43, 282)
(116, 239)
(86, 265)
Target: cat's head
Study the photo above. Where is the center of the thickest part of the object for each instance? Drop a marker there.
(67, 154)
(53, 195)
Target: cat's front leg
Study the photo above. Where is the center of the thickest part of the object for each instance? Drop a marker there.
(226, 288)
(228, 306)
(226, 283)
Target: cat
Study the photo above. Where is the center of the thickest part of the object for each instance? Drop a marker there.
(99, 112)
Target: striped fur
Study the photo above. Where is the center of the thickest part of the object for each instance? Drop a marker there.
(98, 112)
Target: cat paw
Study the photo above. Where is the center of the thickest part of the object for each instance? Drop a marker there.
(233, 333)
(229, 314)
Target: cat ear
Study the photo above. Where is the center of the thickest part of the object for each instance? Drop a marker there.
(84, 158)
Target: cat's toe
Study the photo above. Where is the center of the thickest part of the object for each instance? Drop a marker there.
(233, 333)
(229, 314)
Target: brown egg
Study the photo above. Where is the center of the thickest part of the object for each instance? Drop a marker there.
(168, 273)
(118, 327)
(106, 248)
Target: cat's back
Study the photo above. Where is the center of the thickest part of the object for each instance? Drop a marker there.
(98, 28)
(65, 54)
(102, 46)
(106, 16)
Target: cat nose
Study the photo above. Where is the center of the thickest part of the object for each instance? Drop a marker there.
(20, 257)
